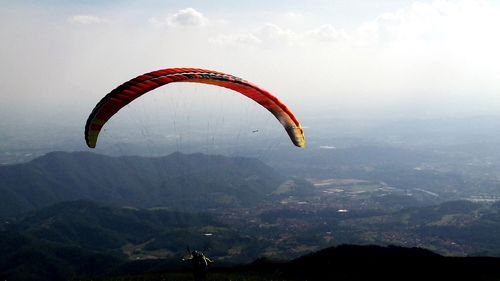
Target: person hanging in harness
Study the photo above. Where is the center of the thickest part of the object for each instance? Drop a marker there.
(200, 264)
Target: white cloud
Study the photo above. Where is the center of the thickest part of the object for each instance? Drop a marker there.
(327, 33)
(441, 23)
(186, 17)
(269, 35)
(273, 34)
(86, 19)
(438, 21)
(241, 40)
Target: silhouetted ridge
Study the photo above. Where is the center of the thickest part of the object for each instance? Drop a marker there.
(368, 252)
(350, 262)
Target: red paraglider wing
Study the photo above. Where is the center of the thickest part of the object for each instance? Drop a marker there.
(129, 91)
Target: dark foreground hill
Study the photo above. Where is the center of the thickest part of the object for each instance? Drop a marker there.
(194, 181)
(348, 263)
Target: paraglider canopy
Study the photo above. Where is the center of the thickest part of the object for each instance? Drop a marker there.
(129, 91)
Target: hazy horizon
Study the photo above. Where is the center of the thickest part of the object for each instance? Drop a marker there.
(336, 60)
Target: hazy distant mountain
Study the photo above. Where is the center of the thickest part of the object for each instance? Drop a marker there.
(178, 181)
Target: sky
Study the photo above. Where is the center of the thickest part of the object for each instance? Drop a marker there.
(341, 59)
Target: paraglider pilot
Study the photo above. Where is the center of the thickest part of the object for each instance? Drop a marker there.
(200, 264)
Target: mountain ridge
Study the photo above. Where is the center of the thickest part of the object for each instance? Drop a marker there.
(190, 181)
